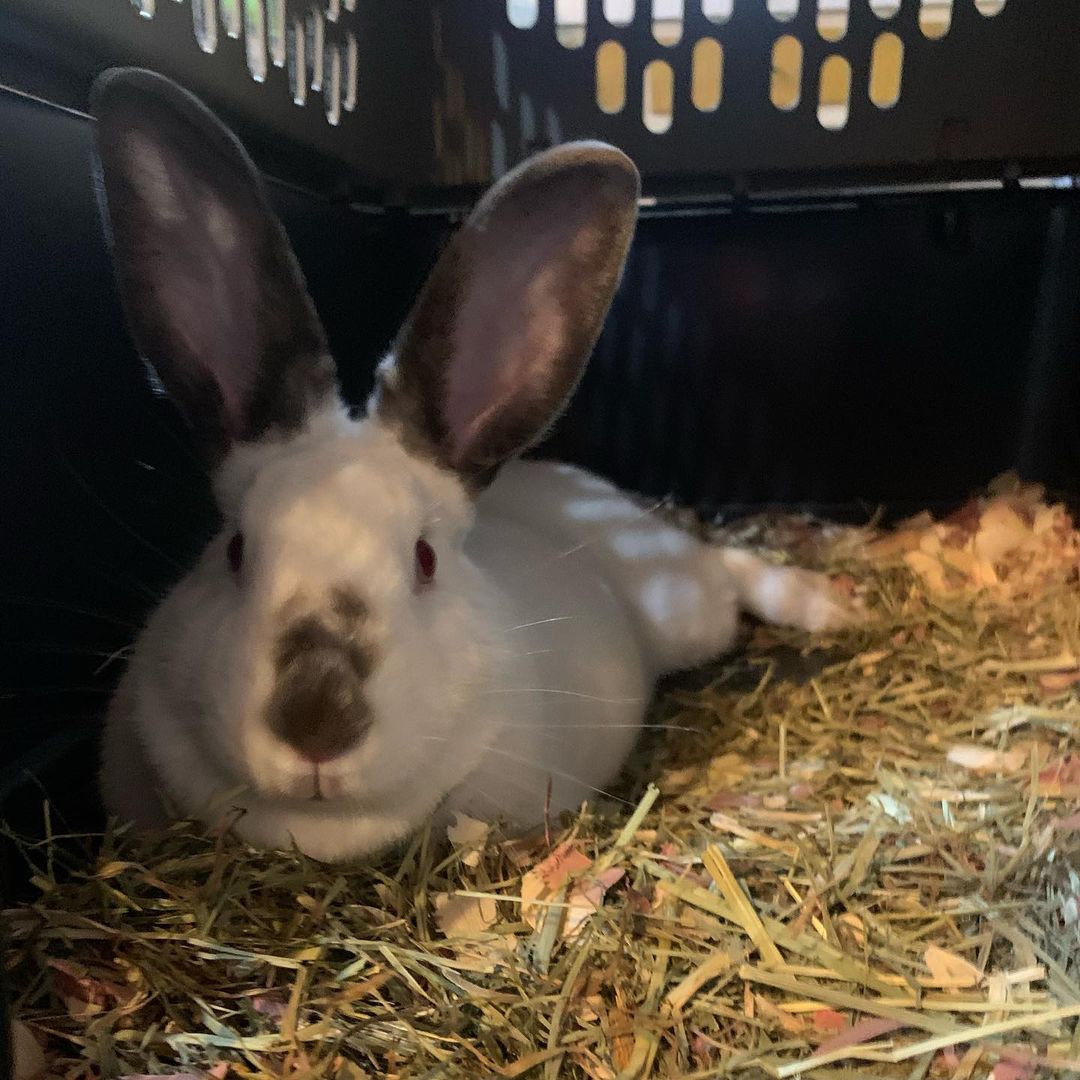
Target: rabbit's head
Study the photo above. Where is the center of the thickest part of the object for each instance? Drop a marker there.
(333, 641)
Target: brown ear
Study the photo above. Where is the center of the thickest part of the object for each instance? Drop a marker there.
(501, 332)
(214, 298)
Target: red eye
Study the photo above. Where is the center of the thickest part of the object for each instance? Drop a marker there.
(235, 552)
(425, 561)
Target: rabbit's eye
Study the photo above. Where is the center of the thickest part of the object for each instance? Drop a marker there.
(235, 552)
(425, 562)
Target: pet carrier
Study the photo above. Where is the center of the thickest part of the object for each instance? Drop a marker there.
(854, 281)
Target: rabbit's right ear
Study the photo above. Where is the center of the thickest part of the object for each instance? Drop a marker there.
(214, 298)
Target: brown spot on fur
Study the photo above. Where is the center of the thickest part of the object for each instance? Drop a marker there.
(303, 636)
(318, 705)
(348, 605)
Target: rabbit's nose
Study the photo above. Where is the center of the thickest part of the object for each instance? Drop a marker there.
(318, 706)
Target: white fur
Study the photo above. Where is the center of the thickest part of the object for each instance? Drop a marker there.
(557, 603)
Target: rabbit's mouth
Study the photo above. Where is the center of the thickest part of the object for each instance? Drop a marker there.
(317, 786)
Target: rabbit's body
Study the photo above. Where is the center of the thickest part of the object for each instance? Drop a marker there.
(584, 600)
(556, 676)
(397, 615)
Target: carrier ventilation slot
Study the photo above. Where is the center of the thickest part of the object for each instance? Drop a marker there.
(255, 38)
(783, 10)
(275, 32)
(352, 72)
(332, 85)
(528, 122)
(498, 149)
(313, 58)
(297, 61)
(204, 24)
(611, 77)
(886, 68)
(785, 85)
(880, 75)
(935, 18)
(707, 75)
(658, 97)
(522, 14)
(570, 23)
(231, 18)
(717, 11)
(832, 19)
(315, 29)
(500, 70)
(619, 12)
(667, 22)
(834, 93)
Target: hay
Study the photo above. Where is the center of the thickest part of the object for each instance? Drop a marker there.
(857, 863)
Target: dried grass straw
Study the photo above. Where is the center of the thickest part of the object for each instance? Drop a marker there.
(867, 865)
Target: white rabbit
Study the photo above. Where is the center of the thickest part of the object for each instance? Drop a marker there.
(384, 627)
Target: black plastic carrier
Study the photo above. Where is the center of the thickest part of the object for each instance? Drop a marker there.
(855, 279)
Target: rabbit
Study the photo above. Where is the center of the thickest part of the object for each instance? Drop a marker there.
(399, 617)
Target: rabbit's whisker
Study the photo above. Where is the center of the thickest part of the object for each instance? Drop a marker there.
(48, 691)
(62, 721)
(89, 492)
(54, 605)
(556, 729)
(133, 584)
(38, 649)
(63, 650)
(566, 693)
(185, 448)
(520, 655)
(545, 769)
(538, 622)
(504, 777)
(597, 537)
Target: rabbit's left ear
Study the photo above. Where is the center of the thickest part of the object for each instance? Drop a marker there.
(214, 298)
(505, 324)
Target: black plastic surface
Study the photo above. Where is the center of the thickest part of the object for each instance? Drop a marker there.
(53, 49)
(443, 81)
(992, 98)
(898, 350)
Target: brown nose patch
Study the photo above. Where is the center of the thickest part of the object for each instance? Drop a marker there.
(318, 705)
